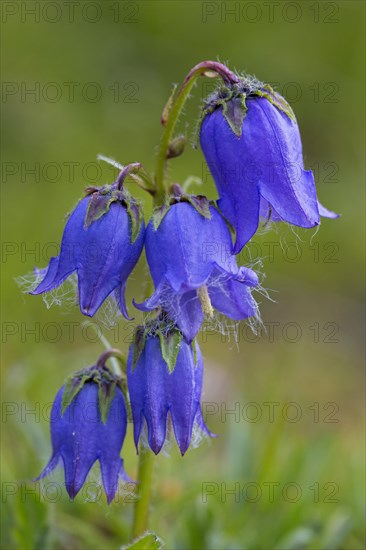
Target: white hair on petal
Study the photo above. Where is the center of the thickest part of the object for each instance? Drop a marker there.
(199, 436)
(267, 226)
(229, 328)
(65, 295)
(294, 231)
(316, 228)
(109, 314)
(29, 281)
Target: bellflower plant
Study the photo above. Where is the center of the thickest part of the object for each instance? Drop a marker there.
(251, 141)
(158, 387)
(252, 144)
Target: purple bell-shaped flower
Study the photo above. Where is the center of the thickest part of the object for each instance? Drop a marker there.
(158, 388)
(253, 148)
(102, 242)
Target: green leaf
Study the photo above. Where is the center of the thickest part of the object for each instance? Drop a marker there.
(148, 541)
(170, 345)
(106, 394)
(73, 385)
(234, 111)
(138, 346)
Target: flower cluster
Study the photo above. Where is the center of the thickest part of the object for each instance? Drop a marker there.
(251, 141)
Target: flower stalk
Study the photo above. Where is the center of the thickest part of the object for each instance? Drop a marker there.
(142, 505)
(172, 112)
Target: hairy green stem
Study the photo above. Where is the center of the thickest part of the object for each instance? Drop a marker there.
(142, 505)
(169, 119)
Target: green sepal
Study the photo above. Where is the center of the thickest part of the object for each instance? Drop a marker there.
(277, 100)
(176, 147)
(200, 203)
(138, 346)
(169, 339)
(170, 345)
(106, 394)
(234, 112)
(99, 204)
(148, 541)
(107, 383)
(73, 384)
(122, 384)
(100, 200)
(136, 215)
(159, 214)
(232, 101)
(168, 106)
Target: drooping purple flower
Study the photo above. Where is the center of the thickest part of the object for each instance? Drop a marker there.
(258, 167)
(102, 242)
(155, 392)
(80, 438)
(194, 270)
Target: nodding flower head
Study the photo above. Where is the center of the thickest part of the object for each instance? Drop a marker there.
(102, 242)
(164, 376)
(92, 426)
(194, 269)
(252, 144)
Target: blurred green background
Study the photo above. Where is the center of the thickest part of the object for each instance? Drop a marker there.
(100, 74)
